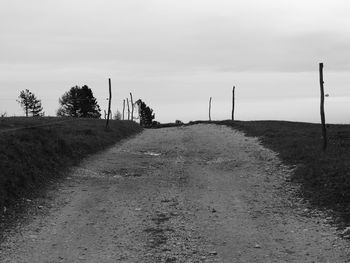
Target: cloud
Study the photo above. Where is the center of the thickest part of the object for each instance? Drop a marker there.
(177, 36)
(174, 49)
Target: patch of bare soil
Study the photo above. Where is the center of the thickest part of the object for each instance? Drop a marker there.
(201, 193)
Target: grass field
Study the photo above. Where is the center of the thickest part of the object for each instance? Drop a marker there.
(34, 151)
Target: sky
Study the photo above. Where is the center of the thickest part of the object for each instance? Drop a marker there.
(175, 55)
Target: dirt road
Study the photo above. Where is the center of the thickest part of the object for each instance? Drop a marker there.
(202, 193)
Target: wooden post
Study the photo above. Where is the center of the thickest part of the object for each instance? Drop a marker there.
(233, 103)
(323, 121)
(210, 109)
(132, 107)
(123, 109)
(127, 102)
(109, 102)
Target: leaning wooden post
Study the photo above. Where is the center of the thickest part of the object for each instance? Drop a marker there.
(210, 109)
(132, 107)
(233, 103)
(127, 102)
(109, 102)
(323, 119)
(123, 109)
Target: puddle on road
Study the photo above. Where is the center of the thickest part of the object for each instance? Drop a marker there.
(149, 153)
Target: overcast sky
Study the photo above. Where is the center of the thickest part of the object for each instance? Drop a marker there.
(176, 54)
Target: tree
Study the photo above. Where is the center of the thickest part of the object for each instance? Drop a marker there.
(146, 114)
(30, 103)
(36, 108)
(79, 102)
(117, 115)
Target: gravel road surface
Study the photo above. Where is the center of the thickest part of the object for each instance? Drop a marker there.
(202, 193)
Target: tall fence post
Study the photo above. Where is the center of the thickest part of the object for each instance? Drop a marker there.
(323, 119)
(132, 107)
(123, 109)
(109, 102)
(210, 109)
(233, 104)
(127, 102)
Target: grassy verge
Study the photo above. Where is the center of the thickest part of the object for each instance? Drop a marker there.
(324, 176)
(34, 151)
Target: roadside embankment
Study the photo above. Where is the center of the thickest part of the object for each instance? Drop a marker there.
(34, 151)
